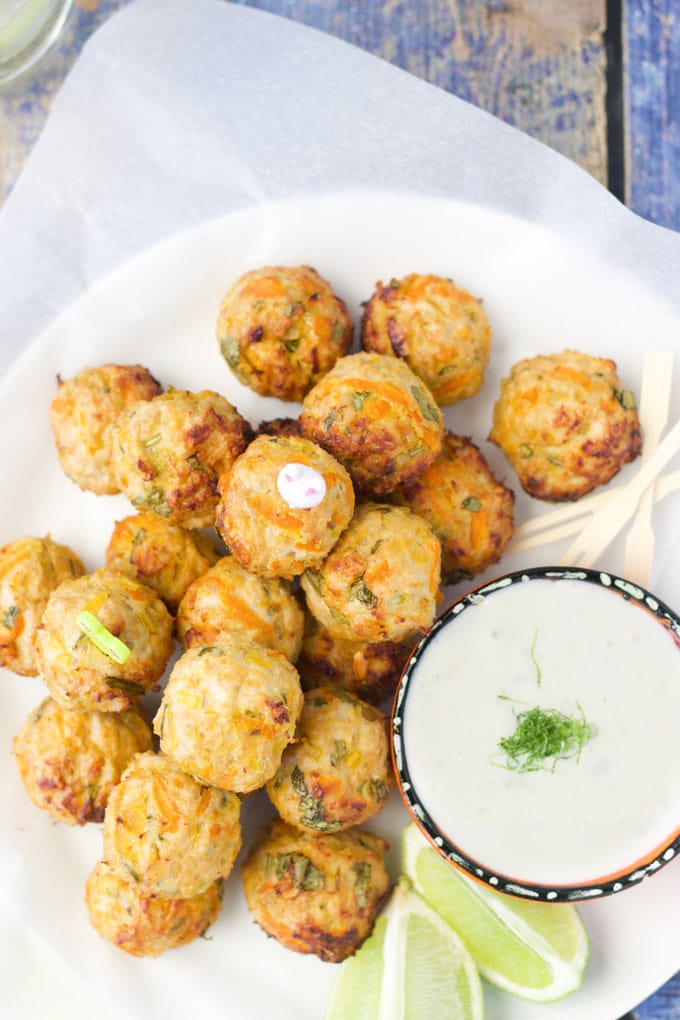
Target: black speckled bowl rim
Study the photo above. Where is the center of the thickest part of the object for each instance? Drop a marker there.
(590, 890)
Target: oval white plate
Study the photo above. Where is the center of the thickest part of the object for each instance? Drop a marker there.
(541, 294)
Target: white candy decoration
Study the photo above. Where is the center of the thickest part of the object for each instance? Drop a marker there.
(300, 486)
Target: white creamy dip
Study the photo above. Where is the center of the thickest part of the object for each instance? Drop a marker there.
(301, 486)
(566, 645)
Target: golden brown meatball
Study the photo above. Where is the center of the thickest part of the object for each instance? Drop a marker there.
(337, 772)
(440, 330)
(228, 598)
(566, 424)
(171, 450)
(76, 672)
(141, 922)
(70, 761)
(84, 416)
(267, 534)
(228, 711)
(281, 328)
(377, 417)
(162, 555)
(30, 570)
(369, 669)
(381, 580)
(471, 513)
(175, 835)
(316, 892)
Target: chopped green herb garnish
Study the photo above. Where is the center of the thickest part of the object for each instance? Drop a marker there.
(291, 343)
(543, 737)
(425, 406)
(10, 616)
(361, 593)
(231, 351)
(471, 503)
(312, 812)
(525, 451)
(532, 653)
(329, 419)
(305, 875)
(128, 686)
(626, 399)
(152, 441)
(103, 639)
(339, 752)
(288, 309)
(155, 500)
(552, 458)
(362, 882)
(359, 398)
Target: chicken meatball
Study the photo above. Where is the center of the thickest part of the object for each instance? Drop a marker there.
(369, 669)
(228, 712)
(440, 330)
(171, 450)
(141, 922)
(380, 582)
(228, 598)
(281, 329)
(470, 511)
(337, 772)
(316, 892)
(84, 417)
(175, 835)
(78, 674)
(70, 761)
(162, 555)
(265, 518)
(30, 570)
(377, 417)
(566, 424)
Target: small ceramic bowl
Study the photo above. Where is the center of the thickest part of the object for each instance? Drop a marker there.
(536, 734)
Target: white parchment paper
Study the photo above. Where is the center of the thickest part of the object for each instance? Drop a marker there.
(180, 112)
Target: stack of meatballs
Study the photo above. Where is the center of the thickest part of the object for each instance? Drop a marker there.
(296, 566)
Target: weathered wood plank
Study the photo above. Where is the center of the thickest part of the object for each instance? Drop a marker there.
(537, 64)
(652, 54)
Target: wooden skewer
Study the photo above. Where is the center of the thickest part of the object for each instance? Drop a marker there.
(654, 407)
(606, 522)
(528, 538)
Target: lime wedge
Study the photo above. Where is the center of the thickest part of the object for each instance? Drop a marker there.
(535, 950)
(411, 967)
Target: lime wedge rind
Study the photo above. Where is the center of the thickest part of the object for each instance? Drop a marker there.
(537, 970)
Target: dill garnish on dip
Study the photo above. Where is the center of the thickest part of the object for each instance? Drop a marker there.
(543, 737)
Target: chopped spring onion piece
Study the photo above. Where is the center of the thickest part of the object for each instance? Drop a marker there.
(104, 640)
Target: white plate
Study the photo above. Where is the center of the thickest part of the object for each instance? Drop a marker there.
(541, 294)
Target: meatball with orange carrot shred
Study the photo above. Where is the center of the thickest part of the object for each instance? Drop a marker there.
(84, 417)
(70, 761)
(316, 892)
(228, 712)
(566, 423)
(438, 328)
(138, 920)
(264, 515)
(280, 329)
(337, 773)
(368, 669)
(106, 659)
(30, 570)
(228, 598)
(377, 417)
(470, 511)
(177, 835)
(381, 580)
(171, 450)
(160, 554)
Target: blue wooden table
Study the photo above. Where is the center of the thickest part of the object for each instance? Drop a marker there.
(599, 80)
